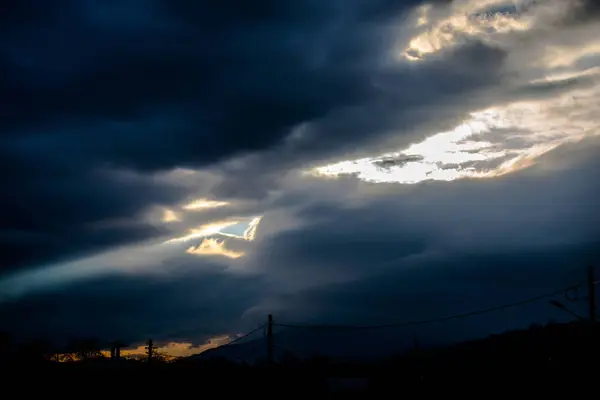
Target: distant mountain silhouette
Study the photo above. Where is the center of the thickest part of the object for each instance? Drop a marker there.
(348, 344)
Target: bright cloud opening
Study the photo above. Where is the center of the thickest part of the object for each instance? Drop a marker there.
(493, 142)
(203, 204)
(236, 229)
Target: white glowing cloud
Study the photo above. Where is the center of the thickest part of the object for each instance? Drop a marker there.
(219, 227)
(250, 232)
(203, 231)
(202, 204)
(491, 143)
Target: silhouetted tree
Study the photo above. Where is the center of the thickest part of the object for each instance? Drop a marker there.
(159, 357)
(85, 349)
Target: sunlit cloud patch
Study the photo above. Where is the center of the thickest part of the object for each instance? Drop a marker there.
(491, 22)
(172, 349)
(491, 143)
(512, 134)
(203, 204)
(215, 236)
(238, 228)
(170, 216)
(214, 246)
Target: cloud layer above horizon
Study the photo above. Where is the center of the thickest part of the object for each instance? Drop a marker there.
(318, 160)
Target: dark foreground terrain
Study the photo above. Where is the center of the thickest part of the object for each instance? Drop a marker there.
(541, 360)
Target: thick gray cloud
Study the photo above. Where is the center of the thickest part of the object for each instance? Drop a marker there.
(185, 307)
(347, 238)
(115, 113)
(88, 86)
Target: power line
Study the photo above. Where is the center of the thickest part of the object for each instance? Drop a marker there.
(243, 336)
(427, 321)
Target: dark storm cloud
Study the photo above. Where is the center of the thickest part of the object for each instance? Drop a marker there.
(336, 245)
(49, 213)
(434, 285)
(394, 260)
(191, 306)
(90, 88)
(400, 107)
(153, 85)
(405, 98)
(237, 76)
(446, 286)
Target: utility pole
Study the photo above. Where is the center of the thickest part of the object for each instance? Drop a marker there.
(592, 295)
(115, 350)
(150, 350)
(270, 340)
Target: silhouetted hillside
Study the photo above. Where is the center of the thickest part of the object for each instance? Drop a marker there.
(547, 356)
(340, 344)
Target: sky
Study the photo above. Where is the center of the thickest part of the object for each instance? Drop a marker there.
(177, 170)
